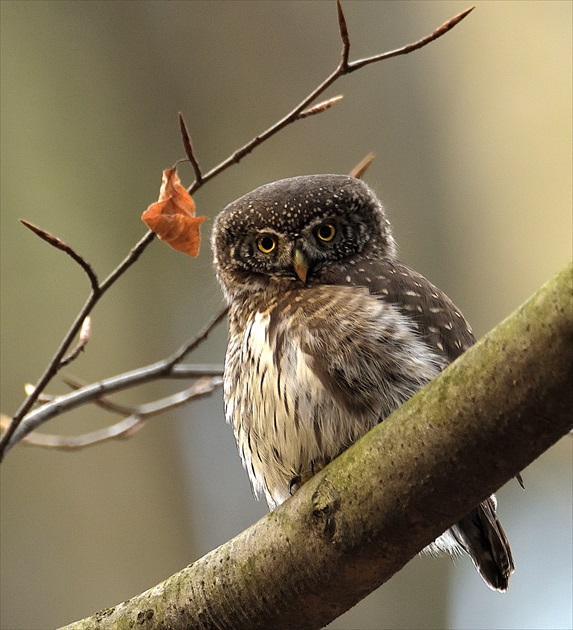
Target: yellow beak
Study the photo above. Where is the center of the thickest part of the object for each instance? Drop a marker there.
(300, 264)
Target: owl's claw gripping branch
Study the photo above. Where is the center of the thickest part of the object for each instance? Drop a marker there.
(16, 428)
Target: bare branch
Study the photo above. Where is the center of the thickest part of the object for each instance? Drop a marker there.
(167, 368)
(56, 242)
(344, 67)
(128, 427)
(124, 428)
(405, 50)
(41, 399)
(55, 363)
(189, 152)
(188, 347)
(129, 260)
(103, 402)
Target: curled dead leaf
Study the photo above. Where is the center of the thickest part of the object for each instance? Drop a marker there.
(172, 216)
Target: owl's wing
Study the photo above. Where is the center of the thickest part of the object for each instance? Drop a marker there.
(439, 322)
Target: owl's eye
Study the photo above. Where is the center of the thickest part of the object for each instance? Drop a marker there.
(325, 232)
(266, 243)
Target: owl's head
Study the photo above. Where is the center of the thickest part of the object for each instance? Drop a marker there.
(296, 231)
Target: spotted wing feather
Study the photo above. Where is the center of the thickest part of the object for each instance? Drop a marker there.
(445, 330)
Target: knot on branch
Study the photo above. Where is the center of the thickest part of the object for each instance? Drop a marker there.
(325, 505)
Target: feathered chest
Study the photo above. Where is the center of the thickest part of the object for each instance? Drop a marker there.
(312, 372)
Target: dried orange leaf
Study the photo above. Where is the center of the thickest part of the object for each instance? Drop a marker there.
(172, 216)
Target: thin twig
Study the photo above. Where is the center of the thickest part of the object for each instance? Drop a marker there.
(129, 260)
(188, 347)
(405, 50)
(344, 67)
(124, 428)
(189, 152)
(343, 30)
(56, 242)
(102, 401)
(55, 363)
(166, 368)
(42, 398)
(127, 427)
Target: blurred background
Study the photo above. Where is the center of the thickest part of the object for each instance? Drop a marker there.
(473, 145)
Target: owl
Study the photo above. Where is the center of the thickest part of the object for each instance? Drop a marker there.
(329, 333)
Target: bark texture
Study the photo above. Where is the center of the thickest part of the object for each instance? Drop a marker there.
(360, 520)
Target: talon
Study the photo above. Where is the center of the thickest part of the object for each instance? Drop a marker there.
(294, 484)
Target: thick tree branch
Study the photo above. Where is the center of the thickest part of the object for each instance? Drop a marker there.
(362, 518)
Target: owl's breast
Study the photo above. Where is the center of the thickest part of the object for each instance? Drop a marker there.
(310, 373)
(277, 406)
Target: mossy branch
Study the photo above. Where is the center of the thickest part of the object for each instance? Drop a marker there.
(360, 520)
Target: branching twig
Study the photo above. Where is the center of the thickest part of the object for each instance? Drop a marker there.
(133, 422)
(17, 428)
(344, 67)
(188, 347)
(56, 362)
(102, 401)
(56, 242)
(167, 368)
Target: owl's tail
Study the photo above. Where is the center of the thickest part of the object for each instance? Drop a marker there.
(481, 535)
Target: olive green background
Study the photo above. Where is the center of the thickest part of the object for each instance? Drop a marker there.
(473, 145)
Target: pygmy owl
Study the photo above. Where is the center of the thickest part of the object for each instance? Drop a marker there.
(329, 334)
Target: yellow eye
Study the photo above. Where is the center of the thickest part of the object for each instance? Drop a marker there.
(326, 232)
(266, 243)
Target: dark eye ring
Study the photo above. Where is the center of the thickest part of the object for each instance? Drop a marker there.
(266, 243)
(325, 232)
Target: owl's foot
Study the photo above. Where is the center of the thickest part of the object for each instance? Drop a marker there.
(294, 484)
(299, 480)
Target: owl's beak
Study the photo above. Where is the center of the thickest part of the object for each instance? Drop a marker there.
(300, 264)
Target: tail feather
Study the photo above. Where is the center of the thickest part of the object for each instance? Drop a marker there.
(481, 535)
